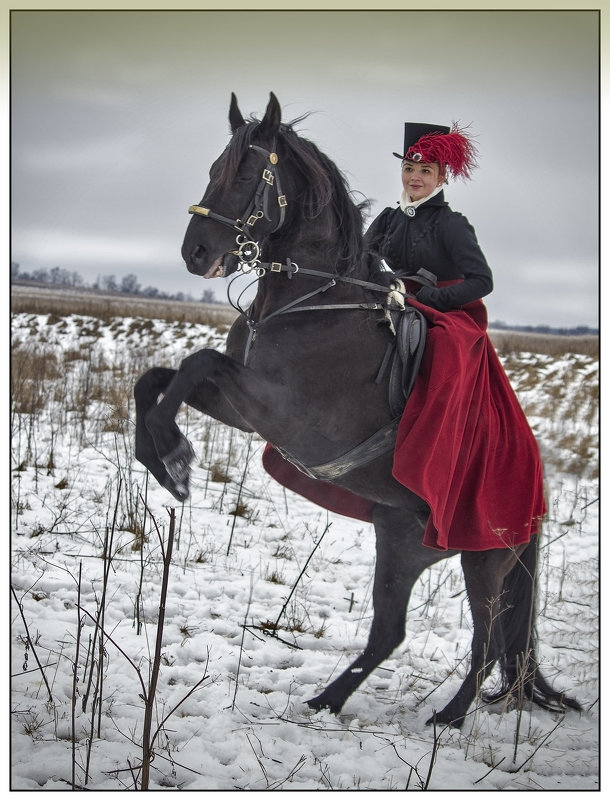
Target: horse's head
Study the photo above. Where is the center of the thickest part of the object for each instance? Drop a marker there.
(244, 201)
(274, 188)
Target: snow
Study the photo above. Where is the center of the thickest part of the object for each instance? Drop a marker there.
(230, 700)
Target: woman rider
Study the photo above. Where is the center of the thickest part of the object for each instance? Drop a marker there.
(464, 444)
(423, 233)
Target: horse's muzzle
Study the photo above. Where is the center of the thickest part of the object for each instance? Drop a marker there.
(198, 262)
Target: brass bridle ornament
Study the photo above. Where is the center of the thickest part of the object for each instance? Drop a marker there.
(248, 249)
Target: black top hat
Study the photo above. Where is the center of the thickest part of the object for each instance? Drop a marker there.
(414, 132)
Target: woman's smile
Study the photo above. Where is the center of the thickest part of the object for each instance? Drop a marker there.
(420, 180)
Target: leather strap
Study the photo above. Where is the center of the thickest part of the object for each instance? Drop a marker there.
(381, 442)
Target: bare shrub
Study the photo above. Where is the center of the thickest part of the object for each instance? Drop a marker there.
(219, 474)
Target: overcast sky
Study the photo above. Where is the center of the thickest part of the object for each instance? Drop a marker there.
(117, 116)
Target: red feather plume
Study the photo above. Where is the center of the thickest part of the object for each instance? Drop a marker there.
(454, 151)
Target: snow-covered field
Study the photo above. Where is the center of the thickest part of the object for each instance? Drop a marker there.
(88, 531)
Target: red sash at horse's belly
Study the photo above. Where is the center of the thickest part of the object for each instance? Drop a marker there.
(463, 445)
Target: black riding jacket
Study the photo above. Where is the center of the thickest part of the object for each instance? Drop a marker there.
(439, 240)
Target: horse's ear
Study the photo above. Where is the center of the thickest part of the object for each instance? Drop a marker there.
(235, 117)
(273, 116)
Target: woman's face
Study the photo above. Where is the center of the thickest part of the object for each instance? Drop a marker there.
(419, 180)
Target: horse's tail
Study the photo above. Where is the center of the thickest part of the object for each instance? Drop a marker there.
(521, 676)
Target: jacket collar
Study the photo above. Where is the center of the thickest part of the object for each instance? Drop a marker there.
(405, 203)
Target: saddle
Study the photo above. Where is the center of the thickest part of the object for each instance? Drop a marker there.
(404, 353)
(403, 358)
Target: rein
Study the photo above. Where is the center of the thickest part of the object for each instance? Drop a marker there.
(292, 269)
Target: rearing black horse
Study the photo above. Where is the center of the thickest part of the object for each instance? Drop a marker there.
(305, 382)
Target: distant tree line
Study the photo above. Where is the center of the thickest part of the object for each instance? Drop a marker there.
(576, 331)
(127, 285)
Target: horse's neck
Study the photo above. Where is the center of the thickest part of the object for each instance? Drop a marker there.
(314, 247)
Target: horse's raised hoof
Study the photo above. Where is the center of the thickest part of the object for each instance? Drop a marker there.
(178, 462)
(180, 491)
(178, 466)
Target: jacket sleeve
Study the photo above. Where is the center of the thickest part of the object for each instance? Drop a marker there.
(373, 248)
(373, 239)
(460, 242)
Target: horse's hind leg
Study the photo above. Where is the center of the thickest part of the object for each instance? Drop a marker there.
(484, 574)
(400, 559)
(521, 677)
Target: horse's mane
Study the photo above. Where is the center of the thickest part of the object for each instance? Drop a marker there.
(324, 188)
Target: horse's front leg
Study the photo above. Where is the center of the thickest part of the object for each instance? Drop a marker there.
(160, 445)
(147, 390)
(212, 383)
(400, 559)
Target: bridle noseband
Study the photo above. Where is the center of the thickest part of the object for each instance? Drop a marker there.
(248, 249)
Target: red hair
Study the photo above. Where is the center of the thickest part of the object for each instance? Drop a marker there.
(454, 151)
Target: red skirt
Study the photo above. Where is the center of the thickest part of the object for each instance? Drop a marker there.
(464, 445)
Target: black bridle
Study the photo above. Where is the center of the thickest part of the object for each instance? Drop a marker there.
(248, 250)
(249, 253)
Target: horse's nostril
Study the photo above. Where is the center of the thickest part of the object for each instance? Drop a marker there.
(198, 255)
(193, 257)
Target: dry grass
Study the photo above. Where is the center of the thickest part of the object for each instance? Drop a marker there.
(507, 342)
(82, 380)
(32, 371)
(106, 307)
